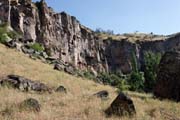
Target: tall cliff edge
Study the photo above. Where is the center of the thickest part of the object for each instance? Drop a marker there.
(66, 39)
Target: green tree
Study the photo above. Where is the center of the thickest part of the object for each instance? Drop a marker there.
(136, 78)
(152, 61)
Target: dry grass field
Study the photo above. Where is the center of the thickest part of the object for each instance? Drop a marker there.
(78, 103)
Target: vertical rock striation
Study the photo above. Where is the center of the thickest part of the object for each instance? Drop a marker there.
(64, 38)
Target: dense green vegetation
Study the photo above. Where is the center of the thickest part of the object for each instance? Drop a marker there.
(135, 81)
(152, 61)
(37, 47)
(7, 34)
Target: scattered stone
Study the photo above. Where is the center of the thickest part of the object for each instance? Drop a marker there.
(121, 106)
(30, 104)
(102, 94)
(44, 55)
(24, 84)
(27, 50)
(61, 89)
(59, 67)
(70, 70)
(168, 77)
(11, 44)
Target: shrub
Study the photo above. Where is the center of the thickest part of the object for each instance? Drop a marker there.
(136, 79)
(3, 38)
(37, 47)
(123, 85)
(6, 34)
(88, 75)
(152, 61)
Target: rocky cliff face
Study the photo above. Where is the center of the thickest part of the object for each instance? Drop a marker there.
(64, 38)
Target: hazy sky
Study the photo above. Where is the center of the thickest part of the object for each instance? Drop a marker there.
(122, 16)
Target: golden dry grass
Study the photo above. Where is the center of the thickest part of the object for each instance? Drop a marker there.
(77, 104)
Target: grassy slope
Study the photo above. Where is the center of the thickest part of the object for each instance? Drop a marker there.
(78, 104)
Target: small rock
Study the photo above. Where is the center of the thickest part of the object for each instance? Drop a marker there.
(30, 104)
(59, 67)
(61, 89)
(121, 106)
(44, 55)
(102, 94)
(27, 50)
(11, 44)
(70, 70)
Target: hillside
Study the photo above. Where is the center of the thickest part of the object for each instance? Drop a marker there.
(78, 103)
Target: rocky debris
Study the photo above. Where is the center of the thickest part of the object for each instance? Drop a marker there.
(70, 70)
(60, 66)
(102, 94)
(61, 89)
(30, 104)
(121, 106)
(27, 50)
(24, 84)
(168, 77)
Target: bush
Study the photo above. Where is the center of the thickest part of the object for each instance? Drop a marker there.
(6, 34)
(123, 85)
(110, 79)
(88, 75)
(136, 81)
(37, 47)
(152, 61)
(3, 38)
(136, 78)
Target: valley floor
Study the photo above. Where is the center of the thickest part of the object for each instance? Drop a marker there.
(78, 103)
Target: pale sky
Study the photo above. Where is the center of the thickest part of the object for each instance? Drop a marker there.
(124, 16)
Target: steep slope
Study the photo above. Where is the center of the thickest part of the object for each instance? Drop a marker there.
(78, 103)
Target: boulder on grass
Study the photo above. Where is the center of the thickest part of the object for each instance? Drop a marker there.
(168, 77)
(102, 94)
(30, 104)
(24, 84)
(61, 89)
(121, 106)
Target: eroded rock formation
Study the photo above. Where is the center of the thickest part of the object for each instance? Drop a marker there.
(64, 38)
(168, 77)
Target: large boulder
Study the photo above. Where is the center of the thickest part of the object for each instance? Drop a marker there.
(24, 84)
(168, 77)
(30, 104)
(121, 106)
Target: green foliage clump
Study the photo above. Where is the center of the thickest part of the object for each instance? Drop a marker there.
(152, 61)
(114, 79)
(136, 79)
(37, 47)
(123, 85)
(3, 38)
(88, 75)
(6, 34)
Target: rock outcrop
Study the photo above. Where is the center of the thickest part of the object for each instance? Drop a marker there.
(168, 77)
(65, 39)
(24, 84)
(121, 106)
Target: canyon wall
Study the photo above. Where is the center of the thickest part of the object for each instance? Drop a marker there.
(64, 38)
